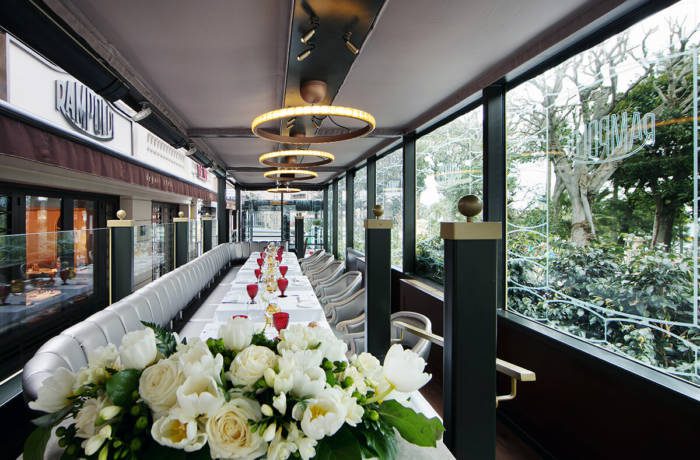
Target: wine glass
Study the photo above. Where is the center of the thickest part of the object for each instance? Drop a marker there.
(252, 291)
(279, 259)
(260, 261)
(258, 274)
(283, 270)
(282, 284)
(280, 320)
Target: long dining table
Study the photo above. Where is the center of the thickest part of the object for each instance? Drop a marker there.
(303, 306)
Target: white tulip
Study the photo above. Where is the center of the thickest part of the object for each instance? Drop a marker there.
(159, 383)
(229, 433)
(198, 360)
(86, 418)
(199, 395)
(279, 402)
(250, 364)
(138, 349)
(54, 392)
(237, 333)
(324, 414)
(270, 376)
(309, 382)
(178, 432)
(404, 369)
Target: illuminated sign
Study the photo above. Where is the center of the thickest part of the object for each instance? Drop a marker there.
(84, 110)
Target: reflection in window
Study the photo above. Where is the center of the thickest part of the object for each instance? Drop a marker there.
(331, 210)
(602, 194)
(341, 218)
(448, 166)
(390, 196)
(360, 211)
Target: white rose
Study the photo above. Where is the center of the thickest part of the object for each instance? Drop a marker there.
(324, 414)
(250, 364)
(229, 433)
(103, 357)
(54, 392)
(237, 333)
(86, 419)
(198, 360)
(199, 395)
(178, 432)
(280, 448)
(138, 349)
(404, 369)
(159, 383)
(305, 445)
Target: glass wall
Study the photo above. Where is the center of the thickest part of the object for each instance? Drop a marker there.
(603, 194)
(341, 218)
(331, 212)
(262, 215)
(390, 196)
(310, 205)
(448, 166)
(360, 211)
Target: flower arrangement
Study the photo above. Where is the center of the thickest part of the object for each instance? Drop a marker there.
(242, 396)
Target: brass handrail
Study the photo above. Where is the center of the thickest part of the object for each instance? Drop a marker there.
(515, 373)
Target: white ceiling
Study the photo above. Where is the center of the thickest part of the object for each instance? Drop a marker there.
(219, 63)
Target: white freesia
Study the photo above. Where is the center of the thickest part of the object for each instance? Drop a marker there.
(353, 411)
(199, 395)
(269, 433)
(198, 360)
(86, 418)
(280, 448)
(237, 333)
(404, 369)
(299, 337)
(138, 349)
(178, 432)
(90, 375)
(54, 391)
(372, 370)
(266, 410)
(279, 402)
(105, 356)
(159, 383)
(324, 414)
(229, 433)
(358, 380)
(305, 445)
(109, 412)
(250, 364)
(300, 373)
(93, 444)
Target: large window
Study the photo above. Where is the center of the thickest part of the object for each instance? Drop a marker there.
(331, 211)
(360, 210)
(310, 205)
(390, 196)
(448, 166)
(603, 194)
(341, 218)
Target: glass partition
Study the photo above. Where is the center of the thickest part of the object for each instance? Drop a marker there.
(390, 196)
(360, 211)
(262, 214)
(449, 164)
(603, 186)
(143, 252)
(162, 251)
(342, 209)
(195, 234)
(331, 211)
(310, 205)
(214, 233)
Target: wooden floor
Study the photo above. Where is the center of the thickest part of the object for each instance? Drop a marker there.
(509, 446)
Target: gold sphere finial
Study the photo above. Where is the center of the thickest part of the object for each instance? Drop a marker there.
(121, 214)
(378, 211)
(180, 214)
(206, 214)
(469, 206)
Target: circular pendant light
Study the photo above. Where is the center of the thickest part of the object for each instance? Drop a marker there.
(288, 175)
(321, 157)
(286, 189)
(313, 111)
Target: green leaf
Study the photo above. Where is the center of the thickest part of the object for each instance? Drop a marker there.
(384, 445)
(36, 442)
(53, 418)
(413, 427)
(165, 340)
(155, 451)
(121, 385)
(341, 446)
(260, 339)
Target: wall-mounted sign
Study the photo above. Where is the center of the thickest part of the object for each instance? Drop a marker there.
(613, 137)
(84, 110)
(202, 173)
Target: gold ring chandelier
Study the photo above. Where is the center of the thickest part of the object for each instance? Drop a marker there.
(283, 175)
(287, 189)
(322, 158)
(313, 111)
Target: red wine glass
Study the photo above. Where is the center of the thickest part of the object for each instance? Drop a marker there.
(252, 291)
(283, 270)
(282, 284)
(258, 274)
(280, 320)
(260, 262)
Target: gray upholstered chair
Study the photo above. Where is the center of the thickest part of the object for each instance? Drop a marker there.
(347, 308)
(329, 273)
(345, 284)
(321, 263)
(303, 263)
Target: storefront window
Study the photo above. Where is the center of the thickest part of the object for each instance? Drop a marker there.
(360, 211)
(448, 166)
(390, 196)
(603, 194)
(341, 218)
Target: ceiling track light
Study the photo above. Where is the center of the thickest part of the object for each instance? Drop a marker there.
(350, 45)
(145, 112)
(306, 53)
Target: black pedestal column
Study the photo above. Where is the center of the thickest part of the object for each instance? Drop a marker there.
(121, 257)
